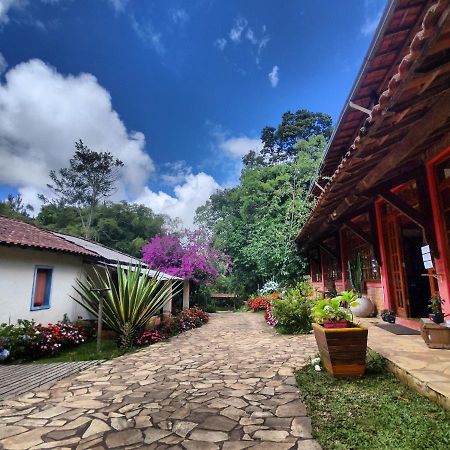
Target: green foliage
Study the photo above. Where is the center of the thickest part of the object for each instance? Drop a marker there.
(14, 207)
(330, 310)
(435, 304)
(129, 303)
(279, 144)
(355, 274)
(123, 226)
(90, 177)
(256, 222)
(374, 412)
(293, 313)
(347, 299)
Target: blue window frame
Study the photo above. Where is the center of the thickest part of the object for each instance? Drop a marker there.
(42, 285)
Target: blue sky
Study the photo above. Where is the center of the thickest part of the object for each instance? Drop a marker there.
(179, 90)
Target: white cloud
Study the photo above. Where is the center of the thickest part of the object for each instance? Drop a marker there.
(188, 196)
(228, 151)
(232, 146)
(118, 5)
(240, 23)
(373, 10)
(148, 33)
(250, 35)
(175, 172)
(240, 33)
(6, 6)
(240, 146)
(274, 76)
(3, 63)
(44, 113)
(220, 43)
(370, 25)
(179, 16)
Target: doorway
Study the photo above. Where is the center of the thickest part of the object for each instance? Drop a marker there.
(417, 285)
(409, 290)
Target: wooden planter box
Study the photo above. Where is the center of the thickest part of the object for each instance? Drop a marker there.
(343, 350)
(435, 335)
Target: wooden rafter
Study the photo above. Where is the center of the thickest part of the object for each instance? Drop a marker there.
(359, 232)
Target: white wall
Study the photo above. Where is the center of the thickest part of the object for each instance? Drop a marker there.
(17, 267)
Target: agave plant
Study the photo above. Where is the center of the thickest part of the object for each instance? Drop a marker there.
(127, 304)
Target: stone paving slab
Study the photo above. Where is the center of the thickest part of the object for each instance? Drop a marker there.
(427, 370)
(228, 385)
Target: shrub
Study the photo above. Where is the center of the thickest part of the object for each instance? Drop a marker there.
(149, 337)
(127, 304)
(186, 320)
(258, 303)
(293, 311)
(270, 319)
(26, 340)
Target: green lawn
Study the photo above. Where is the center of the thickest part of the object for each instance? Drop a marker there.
(375, 412)
(85, 352)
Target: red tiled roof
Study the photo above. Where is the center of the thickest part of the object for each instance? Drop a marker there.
(22, 234)
(402, 18)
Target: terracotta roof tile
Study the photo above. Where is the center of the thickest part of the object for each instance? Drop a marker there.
(17, 233)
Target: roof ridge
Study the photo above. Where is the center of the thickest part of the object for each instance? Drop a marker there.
(96, 243)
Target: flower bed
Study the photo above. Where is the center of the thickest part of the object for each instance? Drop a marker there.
(186, 320)
(28, 341)
(259, 303)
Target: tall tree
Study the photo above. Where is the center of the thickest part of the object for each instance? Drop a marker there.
(279, 144)
(256, 222)
(90, 178)
(16, 204)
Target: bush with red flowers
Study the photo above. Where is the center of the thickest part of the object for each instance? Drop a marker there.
(149, 337)
(259, 303)
(26, 340)
(186, 320)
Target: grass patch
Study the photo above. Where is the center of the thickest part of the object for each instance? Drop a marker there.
(85, 352)
(375, 412)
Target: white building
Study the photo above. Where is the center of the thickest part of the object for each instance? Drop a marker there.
(38, 269)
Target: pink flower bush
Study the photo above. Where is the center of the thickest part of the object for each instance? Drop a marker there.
(189, 254)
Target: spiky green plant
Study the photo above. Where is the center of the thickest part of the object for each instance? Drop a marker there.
(130, 302)
(356, 275)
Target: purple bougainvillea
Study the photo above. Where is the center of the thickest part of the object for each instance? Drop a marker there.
(188, 254)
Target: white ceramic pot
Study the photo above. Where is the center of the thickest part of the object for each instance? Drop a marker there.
(364, 308)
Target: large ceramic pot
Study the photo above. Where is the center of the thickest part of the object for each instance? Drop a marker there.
(343, 350)
(364, 308)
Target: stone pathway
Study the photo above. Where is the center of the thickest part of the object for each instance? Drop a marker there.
(228, 385)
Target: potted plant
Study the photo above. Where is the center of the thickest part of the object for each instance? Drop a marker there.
(435, 304)
(364, 306)
(342, 344)
(388, 316)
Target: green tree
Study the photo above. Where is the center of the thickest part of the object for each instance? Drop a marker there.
(256, 222)
(123, 226)
(14, 207)
(91, 178)
(280, 144)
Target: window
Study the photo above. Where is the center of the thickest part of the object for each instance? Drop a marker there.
(41, 288)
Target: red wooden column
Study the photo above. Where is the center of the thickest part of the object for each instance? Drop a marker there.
(442, 264)
(384, 272)
(322, 270)
(343, 258)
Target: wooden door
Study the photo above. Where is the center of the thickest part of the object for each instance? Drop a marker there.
(396, 269)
